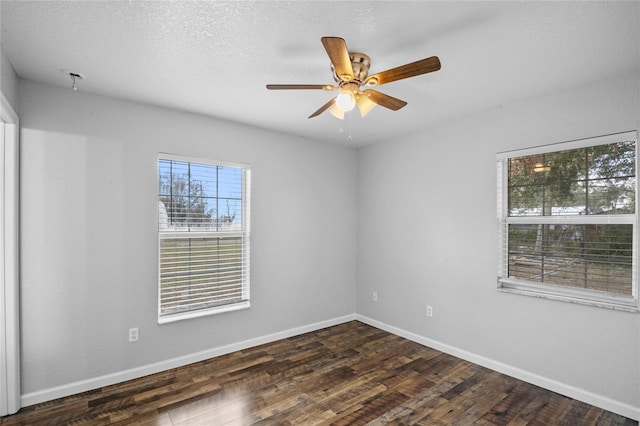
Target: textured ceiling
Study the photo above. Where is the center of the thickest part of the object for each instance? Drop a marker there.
(215, 58)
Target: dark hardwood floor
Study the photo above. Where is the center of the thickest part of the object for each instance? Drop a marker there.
(349, 374)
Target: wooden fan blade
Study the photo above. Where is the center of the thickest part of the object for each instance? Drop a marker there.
(323, 108)
(336, 48)
(422, 66)
(384, 100)
(300, 86)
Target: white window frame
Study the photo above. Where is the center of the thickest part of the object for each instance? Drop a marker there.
(243, 233)
(558, 292)
(10, 401)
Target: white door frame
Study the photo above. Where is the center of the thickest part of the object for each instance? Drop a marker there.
(9, 261)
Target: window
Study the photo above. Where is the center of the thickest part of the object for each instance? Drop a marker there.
(203, 233)
(568, 221)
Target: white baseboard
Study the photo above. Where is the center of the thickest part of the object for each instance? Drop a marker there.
(576, 393)
(134, 373)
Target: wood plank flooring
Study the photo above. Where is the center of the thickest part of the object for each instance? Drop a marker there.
(350, 374)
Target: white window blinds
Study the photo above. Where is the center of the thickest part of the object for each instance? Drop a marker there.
(203, 230)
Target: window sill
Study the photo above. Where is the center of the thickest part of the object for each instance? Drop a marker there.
(205, 312)
(541, 294)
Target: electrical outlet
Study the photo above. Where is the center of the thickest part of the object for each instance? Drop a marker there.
(429, 311)
(375, 296)
(133, 334)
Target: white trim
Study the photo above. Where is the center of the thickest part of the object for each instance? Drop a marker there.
(9, 263)
(553, 385)
(574, 144)
(168, 235)
(134, 373)
(219, 163)
(237, 306)
(620, 219)
(569, 294)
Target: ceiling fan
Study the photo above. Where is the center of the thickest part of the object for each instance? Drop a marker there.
(351, 73)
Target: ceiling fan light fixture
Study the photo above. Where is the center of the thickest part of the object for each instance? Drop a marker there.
(346, 101)
(364, 104)
(336, 112)
(351, 73)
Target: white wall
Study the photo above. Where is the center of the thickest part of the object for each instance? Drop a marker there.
(8, 80)
(424, 208)
(89, 234)
(427, 235)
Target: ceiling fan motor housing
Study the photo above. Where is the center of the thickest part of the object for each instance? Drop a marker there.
(360, 64)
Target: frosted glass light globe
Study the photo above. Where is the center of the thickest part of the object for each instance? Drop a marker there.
(346, 101)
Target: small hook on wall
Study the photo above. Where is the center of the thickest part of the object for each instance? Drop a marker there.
(74, 79)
